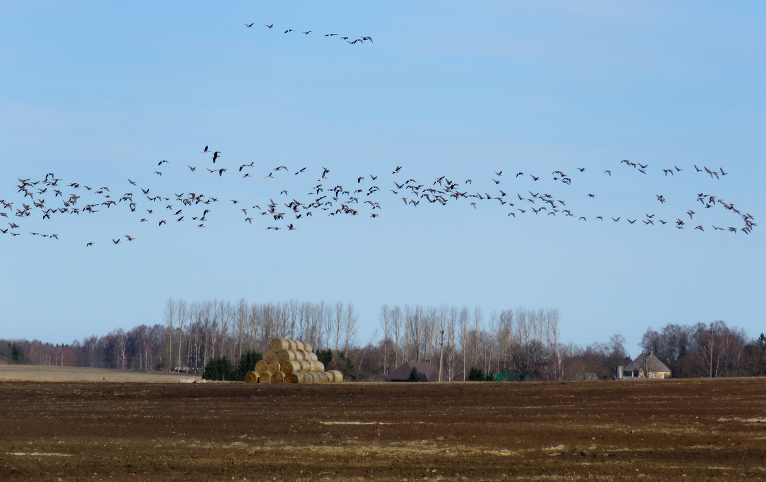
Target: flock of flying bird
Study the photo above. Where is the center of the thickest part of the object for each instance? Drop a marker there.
(358, 40)
(52, 197)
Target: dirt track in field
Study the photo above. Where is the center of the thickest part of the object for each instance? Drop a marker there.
(661, 430)
(39, 373)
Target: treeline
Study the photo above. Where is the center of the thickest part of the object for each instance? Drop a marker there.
(713, 350)
(141, 348)
(518, 344)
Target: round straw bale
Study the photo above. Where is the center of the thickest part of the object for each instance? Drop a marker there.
(296, 377)
(278, 377)
(274, 366)
(337, 376)
(310, 355)
(269, 356)
(283, 356)
(307, 346)
(262, 366)
(316, 377)
(288, 355)
(291, 366)
(251, 377)
(322, 377)
(279, 344)
(316, 366)
(305, 365)
(264, 377)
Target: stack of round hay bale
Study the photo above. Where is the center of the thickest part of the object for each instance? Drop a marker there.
(291, 361)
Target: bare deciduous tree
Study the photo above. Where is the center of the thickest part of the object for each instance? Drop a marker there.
(170, 320)
(385, 324)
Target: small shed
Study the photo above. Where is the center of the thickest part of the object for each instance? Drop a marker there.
(646, 365)
(3, 361)
(427, 372)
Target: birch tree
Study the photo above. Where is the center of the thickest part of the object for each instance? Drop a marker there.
(170, 318)
(349, 328)
(385, 323)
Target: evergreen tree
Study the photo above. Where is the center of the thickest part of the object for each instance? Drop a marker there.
(414, 375)
(17, 355)
(324, 356)
(219, 369)
(349, 367)
(246, 364)
(476, 375)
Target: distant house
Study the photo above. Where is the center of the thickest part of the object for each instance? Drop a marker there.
(646, 365)
(427, 372)
(3, 361)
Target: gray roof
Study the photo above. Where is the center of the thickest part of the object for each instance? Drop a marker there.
(428, 372)
(647, 361)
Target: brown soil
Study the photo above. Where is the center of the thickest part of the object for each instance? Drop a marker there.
(661, 430)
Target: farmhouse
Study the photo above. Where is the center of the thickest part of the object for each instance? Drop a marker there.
(427, 372)
(646, 365)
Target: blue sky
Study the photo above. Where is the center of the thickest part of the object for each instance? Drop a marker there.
(99, 93)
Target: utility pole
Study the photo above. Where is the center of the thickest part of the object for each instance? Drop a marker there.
(441, 355)
(711, 349)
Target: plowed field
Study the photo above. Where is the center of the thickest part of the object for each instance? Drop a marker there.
(661, 430)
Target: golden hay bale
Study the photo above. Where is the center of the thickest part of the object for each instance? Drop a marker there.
(291, 366)
(269, 356)
(308, 378)
(284, 356)
(318, 378)
(305, 365)
(322, 377)
(307, 347)
(279, 377)
(264, 377)
(310, 355)
(337, 376)
(274, 365)
(279, 344)
(289, 355)
(251, 377)
(316, 366)
(296, 377)
(263, 367)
